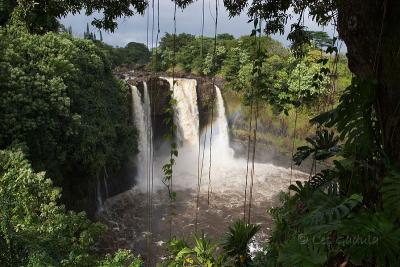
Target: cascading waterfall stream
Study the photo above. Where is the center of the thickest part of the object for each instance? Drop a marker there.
(105, 176)
(186, 109)
(221, 124)
(142, 121)
(98, 195)
(148, 128)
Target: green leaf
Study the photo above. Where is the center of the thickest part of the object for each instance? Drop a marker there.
(294, 253)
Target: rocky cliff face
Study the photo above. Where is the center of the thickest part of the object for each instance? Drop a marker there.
(159, 93)
(159, 90)
(205, 99)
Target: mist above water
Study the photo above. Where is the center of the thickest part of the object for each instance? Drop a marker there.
(201, 155)
(197, 149)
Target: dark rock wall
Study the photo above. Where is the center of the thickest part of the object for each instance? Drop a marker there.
(205, 100)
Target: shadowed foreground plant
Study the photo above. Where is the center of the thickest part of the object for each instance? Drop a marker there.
(236, 243)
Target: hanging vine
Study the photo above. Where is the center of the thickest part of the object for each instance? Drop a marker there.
(170, 136)
(212, 89)
(200, 165)
(293, 141)
(250, 127)
(149, 149)
(257, 84)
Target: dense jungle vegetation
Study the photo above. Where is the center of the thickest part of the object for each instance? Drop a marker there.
(290, 78)
(65, 123)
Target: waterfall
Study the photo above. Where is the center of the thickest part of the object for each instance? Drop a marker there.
(147, 111)
(221, 122)
(186, 109)
(105, 186)
(187, 121)
(98, 195)
(149, 128)
(224, 176)
(141, 115)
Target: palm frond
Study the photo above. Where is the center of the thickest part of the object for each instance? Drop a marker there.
(237, 240)
(323, 145)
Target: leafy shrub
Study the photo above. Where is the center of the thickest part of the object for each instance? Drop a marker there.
(34, 229)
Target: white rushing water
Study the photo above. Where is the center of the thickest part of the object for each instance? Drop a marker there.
(142, 119)
(98, 196)
(221, 124)
(186, 109)
(225, 176)
(227, 172)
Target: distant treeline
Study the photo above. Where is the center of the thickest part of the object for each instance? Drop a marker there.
(232, 59)
(132, 55)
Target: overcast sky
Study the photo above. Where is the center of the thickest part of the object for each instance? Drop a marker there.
(188, 21)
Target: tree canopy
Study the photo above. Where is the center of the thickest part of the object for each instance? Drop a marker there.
(41, 16)
(60, 99)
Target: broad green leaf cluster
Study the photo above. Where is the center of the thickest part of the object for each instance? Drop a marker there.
(232, 251)
(345, 214)
(60, 100)
(35, 230)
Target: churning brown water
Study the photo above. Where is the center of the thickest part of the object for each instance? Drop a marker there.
(222, 190)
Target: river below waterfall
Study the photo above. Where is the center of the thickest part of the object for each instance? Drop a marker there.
(223, 183)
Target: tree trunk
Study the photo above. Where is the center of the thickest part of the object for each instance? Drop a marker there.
(371, 31)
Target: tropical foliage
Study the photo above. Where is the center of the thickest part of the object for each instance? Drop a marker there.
(64, 113)
(35, 230)
(59, 98)
(236, 243)
(341, 215)
(42, 16)
(235, 249)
